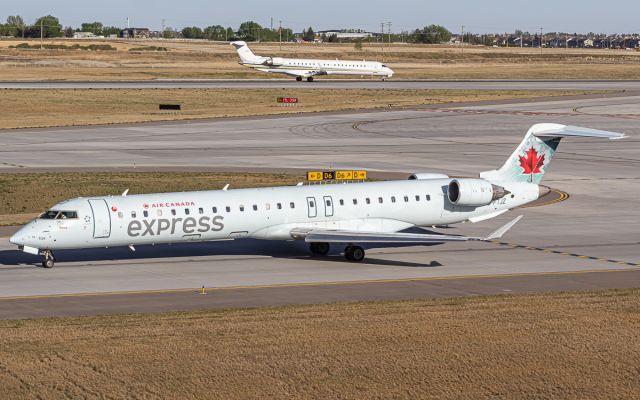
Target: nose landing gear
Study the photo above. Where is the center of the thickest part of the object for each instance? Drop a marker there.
(48, 260)
(354, 253)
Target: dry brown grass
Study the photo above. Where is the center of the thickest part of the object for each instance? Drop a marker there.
(43, 108)
(202, 59)
(23, 196)
(551, 346)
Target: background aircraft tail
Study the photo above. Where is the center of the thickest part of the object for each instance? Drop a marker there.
(530, 160)
(246, 55)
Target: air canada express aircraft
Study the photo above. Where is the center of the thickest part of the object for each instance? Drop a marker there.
(350, 214)
(308, 68)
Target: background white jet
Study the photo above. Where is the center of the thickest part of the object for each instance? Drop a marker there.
(308, 68)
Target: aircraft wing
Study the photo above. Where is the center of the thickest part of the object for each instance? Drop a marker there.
(340, 236)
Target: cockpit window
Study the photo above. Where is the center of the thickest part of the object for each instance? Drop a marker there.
(54, 214)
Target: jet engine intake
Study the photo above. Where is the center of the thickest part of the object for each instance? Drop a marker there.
(427, 175)
(474, 192)
(273, 61)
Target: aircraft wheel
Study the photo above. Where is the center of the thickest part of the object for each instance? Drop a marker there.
(354, 253)
(299, 78)
(48, 261)
(319, 249)
(357, 253)
(310, 79)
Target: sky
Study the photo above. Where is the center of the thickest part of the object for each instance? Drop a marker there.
(500, 16)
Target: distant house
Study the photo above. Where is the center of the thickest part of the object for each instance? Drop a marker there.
(347, 34)
(588, 43)
(135, 33)
(83, 35)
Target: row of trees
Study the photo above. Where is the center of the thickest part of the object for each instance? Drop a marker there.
(249, 31)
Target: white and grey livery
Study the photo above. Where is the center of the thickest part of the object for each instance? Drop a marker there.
(350, 214)
(308, 68)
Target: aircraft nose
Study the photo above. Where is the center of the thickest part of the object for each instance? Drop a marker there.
(17, 238)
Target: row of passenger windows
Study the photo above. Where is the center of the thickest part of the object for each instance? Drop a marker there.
(329, 65)
(279, 206)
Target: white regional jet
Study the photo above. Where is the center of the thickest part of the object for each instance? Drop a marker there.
(350, 214)
(308, 68)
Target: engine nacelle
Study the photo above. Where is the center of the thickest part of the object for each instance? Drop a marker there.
(427, 175)
(274, 61)
(474, 192)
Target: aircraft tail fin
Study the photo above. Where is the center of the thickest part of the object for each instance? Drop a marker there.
(530, 160)
(246, 55)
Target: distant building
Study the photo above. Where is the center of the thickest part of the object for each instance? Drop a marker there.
(83, 35)
(347, 34)
(135, 33)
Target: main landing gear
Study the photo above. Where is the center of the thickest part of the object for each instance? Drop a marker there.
(319, 249)
(48, 260)
(299, 78)
(354, 253)
(351, 252)
(310, 79)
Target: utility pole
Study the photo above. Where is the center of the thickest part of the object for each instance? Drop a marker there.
(271, 23)
(540, 39)
(162, 24)
(462, 39)
(280, 32)
(389, 33)
(382, 38)
(41, 32)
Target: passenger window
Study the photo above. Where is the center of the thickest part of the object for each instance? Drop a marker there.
(292, 205)
(255, 207)
(145, 213)
(201, 210)
(428, 198)
(380, 200)
(120, 214)
(328, 202)
(341, 202)
(173, 211)
(133, 214)
(355, 201)
(186, 211)
(279, 205)
(406, 199)
(311, 204)
(417, 198)
(267, 206)
(214, 209)
(159, 213)
(393, 199)
(241, 208)
(228, 208)
(367, 200)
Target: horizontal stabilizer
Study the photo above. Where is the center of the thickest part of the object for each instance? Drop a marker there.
(564, 131)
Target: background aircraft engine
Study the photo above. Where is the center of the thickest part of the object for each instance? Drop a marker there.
(427, 175)
(474, 192)
(274, 61)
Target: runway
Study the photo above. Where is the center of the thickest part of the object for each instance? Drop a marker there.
(321, 83)
(551, 248)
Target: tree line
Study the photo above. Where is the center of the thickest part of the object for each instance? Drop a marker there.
(49, 26)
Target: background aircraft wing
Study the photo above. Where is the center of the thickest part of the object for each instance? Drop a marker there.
(339, 236)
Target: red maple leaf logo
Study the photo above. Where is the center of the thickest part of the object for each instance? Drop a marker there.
(531, 163)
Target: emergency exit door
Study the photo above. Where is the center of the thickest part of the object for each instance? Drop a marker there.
(101, 218)
(312, 207)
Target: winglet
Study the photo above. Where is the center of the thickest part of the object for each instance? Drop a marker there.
(497, 234)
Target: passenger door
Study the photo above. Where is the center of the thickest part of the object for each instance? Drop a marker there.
(101, 218)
